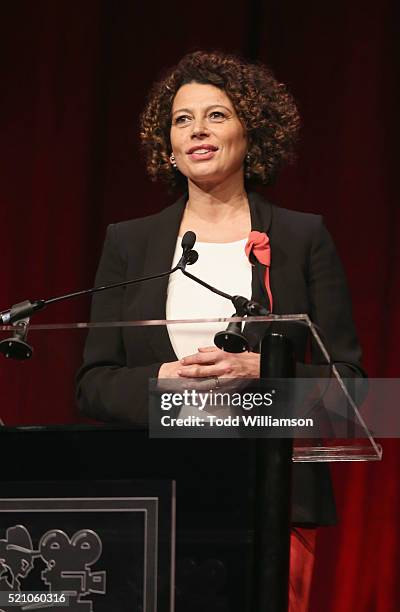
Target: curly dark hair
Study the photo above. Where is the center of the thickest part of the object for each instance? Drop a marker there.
(264, 106)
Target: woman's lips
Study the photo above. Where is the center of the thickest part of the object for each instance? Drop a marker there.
(202, 154)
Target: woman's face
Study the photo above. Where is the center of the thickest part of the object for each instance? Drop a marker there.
(208, 140)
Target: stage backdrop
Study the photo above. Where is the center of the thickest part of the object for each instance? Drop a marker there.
(74, 77)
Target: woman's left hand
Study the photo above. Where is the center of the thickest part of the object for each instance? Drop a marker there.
(211, 361)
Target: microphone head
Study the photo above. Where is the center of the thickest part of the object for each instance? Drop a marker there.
(188, 241)
(191, 257)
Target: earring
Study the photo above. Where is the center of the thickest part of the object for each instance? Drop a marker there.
(247, 170)
(172, 160)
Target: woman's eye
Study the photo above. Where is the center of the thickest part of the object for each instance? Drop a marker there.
(181, 119)
(217, 115)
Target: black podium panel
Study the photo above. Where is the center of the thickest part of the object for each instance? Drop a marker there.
(105, 546)
(214, 502)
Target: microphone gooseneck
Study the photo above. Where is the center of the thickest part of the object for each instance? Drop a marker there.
(25, 309)
(232, 339)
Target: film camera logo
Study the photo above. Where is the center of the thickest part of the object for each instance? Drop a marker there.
(68, 562)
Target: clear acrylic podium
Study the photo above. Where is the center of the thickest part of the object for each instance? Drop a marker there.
(49, 342)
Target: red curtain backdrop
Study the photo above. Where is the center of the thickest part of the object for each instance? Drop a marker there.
(74, 77)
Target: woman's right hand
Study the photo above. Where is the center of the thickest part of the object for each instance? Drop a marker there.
(169, 379)
(170, 369)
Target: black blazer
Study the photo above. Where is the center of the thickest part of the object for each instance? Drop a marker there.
(306, 276)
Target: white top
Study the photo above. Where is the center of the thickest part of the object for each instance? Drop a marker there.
(222, 265)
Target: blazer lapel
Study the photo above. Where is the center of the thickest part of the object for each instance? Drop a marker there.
(261, 219)
(158, 258)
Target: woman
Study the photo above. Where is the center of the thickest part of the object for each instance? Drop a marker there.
(212, 127)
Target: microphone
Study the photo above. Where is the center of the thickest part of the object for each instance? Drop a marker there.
(188, 241)
(26, 308)
(189, 256)
(16, 347)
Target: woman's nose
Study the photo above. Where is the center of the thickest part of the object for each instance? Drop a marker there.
(199, 128)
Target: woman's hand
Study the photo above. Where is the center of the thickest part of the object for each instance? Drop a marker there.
(170, 378)
(170, 369)
(210, 361)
